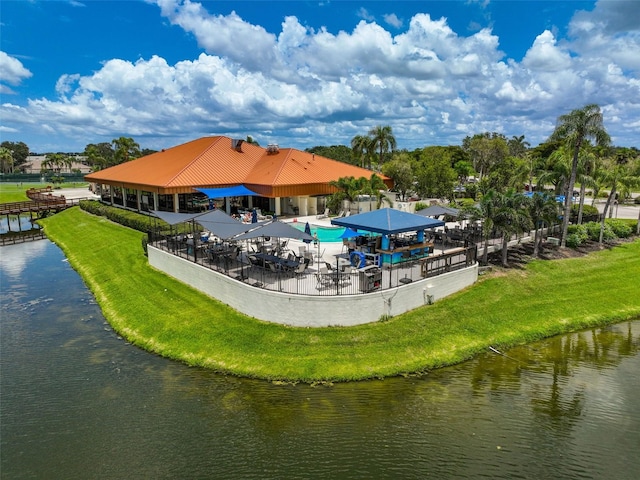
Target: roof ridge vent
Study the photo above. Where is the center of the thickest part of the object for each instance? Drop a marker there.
(272, 148)
(237, 145)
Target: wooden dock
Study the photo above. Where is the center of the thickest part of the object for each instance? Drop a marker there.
(41, 200)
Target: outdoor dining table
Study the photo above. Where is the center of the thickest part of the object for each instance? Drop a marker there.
(284, 263)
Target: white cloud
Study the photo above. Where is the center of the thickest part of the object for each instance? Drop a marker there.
(11, 70)
(393, 20)
(302, 87)
(545, 56)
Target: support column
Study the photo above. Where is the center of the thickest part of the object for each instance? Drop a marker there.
(175, 203)
(155, 200)
(278, 210)
(138, 199)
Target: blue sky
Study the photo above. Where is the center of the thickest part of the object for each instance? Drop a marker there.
(303, 73)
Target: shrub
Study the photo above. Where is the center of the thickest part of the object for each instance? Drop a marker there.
(619, 227)
(574, 240)
(576, 235)
(593, 231)
(588, 212)
(137, 221)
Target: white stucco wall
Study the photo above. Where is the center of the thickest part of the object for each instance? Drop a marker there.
(307, 310)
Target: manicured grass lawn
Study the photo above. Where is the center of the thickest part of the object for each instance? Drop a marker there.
(160, 314)
(16, 192)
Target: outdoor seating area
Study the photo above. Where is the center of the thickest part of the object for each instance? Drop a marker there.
(274, 255)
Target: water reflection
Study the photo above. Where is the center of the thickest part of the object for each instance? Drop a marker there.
(80, 401)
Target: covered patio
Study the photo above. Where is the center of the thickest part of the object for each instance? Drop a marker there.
(275, 256)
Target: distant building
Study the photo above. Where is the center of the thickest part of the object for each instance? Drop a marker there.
(285, 180)
(34, 164)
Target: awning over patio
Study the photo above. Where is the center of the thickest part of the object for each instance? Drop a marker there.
(226, 231)
(275, 229)
(387, 221)
(236, 191)
(175, 218)
(437, 210)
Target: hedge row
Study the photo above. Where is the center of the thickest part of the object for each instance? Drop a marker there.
(613, 229)
(137, 221)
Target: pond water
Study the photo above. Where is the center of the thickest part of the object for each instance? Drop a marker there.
(79, 402)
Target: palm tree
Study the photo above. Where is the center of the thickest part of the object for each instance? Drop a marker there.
(348, 188)
(586, 167)
(510, 216)
(543, 209)
(485, 213)
(6, 160)
(383, 141)
(376, 187)
(616, 175)
(362, 148)
(125, 149)
(574, 129)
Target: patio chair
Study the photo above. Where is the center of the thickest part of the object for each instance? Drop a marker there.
(323, 215)
(299, 271)
(323, 280)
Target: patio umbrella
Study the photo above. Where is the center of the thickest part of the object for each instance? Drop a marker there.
(307, 230)
(254, 216)
(348, 233)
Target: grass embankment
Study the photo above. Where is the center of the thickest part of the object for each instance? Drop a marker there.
(160, 314)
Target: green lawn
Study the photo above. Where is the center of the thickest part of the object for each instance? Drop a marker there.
(16, 192)
(160, 314)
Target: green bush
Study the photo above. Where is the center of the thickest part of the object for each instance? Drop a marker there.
(574, 240)
(619, 227)
(593, 232)
(588, 212)
(137, 221)
(576, 235)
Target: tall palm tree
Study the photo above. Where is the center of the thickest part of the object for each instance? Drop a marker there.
(362, 147)
(617, 175)
(125, 149)
(383, 141)
(543, 210)
(510, 216)
(574, 129)
(485, 213)
(586, 166)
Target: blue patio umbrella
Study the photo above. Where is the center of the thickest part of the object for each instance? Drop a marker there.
(307, 229)
(254, 216)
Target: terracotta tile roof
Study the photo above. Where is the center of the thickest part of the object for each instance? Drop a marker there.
(214, 162)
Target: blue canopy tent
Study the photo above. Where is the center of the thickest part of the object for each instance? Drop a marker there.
(387, 221)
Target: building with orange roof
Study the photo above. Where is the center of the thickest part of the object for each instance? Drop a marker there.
(285, 180)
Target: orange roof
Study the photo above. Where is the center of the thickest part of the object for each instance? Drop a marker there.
(212, 162)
